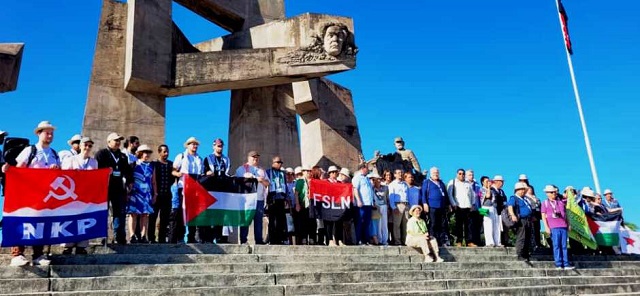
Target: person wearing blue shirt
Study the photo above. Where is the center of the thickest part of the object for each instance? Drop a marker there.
(364, 196)
(521, 212)
(435, 202)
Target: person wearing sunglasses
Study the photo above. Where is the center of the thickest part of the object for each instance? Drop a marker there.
(277, 202)
(462, 199)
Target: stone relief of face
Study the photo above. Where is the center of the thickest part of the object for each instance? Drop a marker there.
(334, 38)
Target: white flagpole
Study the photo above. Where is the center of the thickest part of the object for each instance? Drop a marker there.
(582, 121)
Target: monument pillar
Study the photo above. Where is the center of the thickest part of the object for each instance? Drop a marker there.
(110, 107)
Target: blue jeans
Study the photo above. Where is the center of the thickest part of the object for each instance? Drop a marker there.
(559, 238)
(363, 223)
(118, 210)
(257, 225)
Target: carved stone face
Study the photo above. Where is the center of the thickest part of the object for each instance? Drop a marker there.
(334, 38)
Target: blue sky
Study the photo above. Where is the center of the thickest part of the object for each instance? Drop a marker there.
(472, 84)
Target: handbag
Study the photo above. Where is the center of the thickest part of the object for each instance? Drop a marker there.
(484, 212)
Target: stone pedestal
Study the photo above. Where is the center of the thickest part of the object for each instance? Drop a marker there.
(10, 59)
(111, 108)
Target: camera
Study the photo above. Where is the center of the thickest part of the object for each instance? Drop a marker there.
(556, 215)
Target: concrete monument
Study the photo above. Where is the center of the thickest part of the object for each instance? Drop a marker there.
(10, 59)
(142, 57)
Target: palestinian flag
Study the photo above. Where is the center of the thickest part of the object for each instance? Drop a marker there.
(219, 201)
(564, 20)
(605, 229)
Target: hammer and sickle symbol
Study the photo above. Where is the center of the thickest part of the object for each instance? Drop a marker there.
(59, 184)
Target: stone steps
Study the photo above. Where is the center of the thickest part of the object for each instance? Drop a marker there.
(303, 270)
(503, 286)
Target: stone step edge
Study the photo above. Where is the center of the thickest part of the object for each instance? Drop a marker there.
(51, 275)
(284, 287)
(462, 292)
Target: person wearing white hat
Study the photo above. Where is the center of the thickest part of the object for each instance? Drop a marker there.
(500, 201)
(74, 142)
(554, 218)
(611, 203)
(344, 176)
(143, 194)
(113, 158)
(83, 160)
(186, 163)
(520, 212)
(418, 236)
(41, 156)
(491, 221)
(333, 174)
(291, 184)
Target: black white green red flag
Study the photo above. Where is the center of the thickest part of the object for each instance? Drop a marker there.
(219, 201)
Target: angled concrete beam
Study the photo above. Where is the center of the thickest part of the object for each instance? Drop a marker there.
(215, 71)
(297, 31)
(236, 15)
(10, 60)
(329, 123)
(149, 53)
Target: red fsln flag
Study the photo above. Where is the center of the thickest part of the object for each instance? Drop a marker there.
(564, 19)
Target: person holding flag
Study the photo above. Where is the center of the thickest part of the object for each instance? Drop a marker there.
(84, 162)
(40, 156)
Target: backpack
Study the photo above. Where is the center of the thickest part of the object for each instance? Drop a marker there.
(506, 217)
(34, 151)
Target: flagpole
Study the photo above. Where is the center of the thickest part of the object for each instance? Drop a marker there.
(587, 142)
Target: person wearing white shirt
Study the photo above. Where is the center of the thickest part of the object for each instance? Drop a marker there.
(185, 164)
(84, 162)
(40, 156)
(74, 142)
(462, 198)
(252, 170)
(399, 203)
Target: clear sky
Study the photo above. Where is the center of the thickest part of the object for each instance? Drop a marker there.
(471, 84)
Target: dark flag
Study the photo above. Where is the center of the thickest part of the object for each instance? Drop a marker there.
(564, 19)
(329, 201)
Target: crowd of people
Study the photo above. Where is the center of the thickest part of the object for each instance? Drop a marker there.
(389, 207)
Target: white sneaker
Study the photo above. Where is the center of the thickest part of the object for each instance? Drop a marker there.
(19, 261)
(42, 260)
(439, 260)
(428, 259)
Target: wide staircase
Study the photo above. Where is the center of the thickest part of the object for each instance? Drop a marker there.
(314, 270)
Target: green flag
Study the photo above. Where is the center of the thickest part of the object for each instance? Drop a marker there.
(580, 230)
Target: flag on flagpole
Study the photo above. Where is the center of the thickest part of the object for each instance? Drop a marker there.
(629, 241)
(564, 19)
(219, 201)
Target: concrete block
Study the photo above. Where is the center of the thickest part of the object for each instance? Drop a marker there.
(338, 267)
(299, 31)
(234, 15)
(9, 272)
(155, 259)
(148, 58)
(332, 125)
(214, 71)
(110, 108)
(263, 119)
(10, 60)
